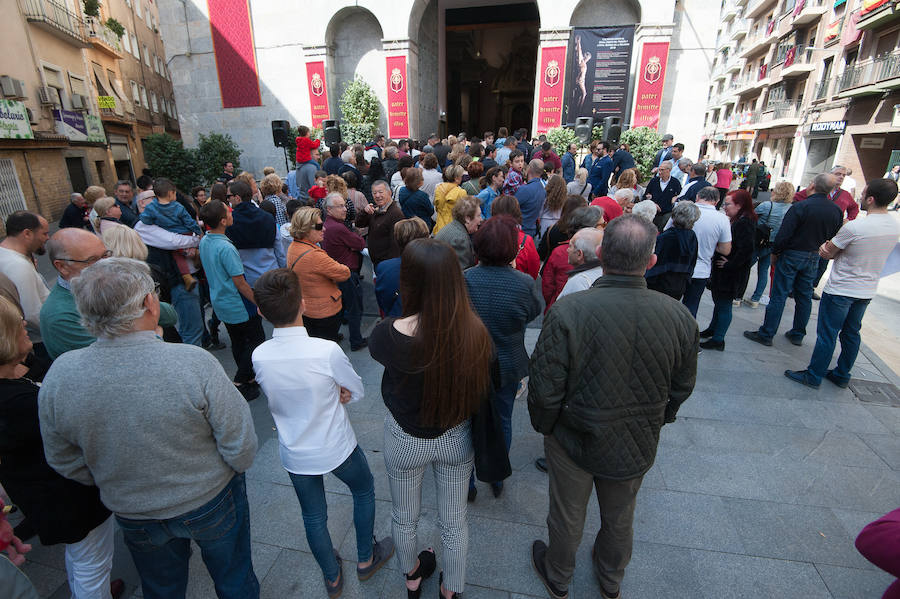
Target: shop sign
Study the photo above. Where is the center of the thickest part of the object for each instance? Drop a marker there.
(78, 126)
(872, 143)
(832, 127)
(14, 120)
(106, 102)
(398, 111)
(552, 88)
(318, 93)
(651, 79)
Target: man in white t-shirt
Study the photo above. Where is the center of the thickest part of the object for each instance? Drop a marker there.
(307, 382)
(26, 234)
(859, 250)
(713, 231)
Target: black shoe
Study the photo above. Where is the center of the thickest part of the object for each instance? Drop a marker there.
(836, 381)
(541, 464)
(538, 551)
(706, 333)
(716, 345)
(473, 493)
(799, 376)
(755, 336)
(335, 589)
(816, 296)
(497, 488)
(794, 340)
(250, 391)
(213, 345)
(427, 565)
(340, 337)
(360, 345)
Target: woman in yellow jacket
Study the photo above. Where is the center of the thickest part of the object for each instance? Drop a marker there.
(319, 275)
(446, 194)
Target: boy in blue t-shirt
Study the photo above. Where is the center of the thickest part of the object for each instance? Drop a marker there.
(231, 295)
(165, 211)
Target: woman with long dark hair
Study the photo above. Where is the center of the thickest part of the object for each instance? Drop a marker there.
(730, 273)
(559, 233)
(437, 361)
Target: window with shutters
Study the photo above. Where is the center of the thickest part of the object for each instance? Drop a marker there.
(11, 196)
(144, 101)
(135, 94)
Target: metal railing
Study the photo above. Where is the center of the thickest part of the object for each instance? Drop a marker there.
(781, 110)
(870, 71)
(821, 90)
(56, 15)
(98, 30)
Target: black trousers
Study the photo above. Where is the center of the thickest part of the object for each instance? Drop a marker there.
(245, 337)
(323, 328)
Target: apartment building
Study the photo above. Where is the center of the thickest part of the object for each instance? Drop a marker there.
(80, 91)
(806, 84)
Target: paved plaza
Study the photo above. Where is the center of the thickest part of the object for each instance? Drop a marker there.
(758, 489)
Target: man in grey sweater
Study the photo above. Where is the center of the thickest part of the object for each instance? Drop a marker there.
(166, 442)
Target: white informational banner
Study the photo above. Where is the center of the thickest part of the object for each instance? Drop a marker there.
(79, 126)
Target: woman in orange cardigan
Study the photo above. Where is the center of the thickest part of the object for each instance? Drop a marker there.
(318, 274)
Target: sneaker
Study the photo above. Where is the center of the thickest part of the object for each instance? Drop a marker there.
(755, 336)
(538, 551)
(716, 345)
(381, 552)
(736, 303)
(800, 376)
(843, 384)
(751, 303)
(336, 588)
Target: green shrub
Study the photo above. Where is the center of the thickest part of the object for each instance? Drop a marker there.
(560, 138)
(91, 8)
(212, 151)
(597, 133)
(360, 112)
(116, 27)
(167, 157)
(643, 143)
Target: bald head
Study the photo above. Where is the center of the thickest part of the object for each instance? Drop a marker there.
(628, 244)
(72, 250)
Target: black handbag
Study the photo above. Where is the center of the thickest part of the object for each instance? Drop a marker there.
(491, 459)
(764, 231)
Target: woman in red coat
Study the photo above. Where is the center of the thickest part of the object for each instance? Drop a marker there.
(527, 260)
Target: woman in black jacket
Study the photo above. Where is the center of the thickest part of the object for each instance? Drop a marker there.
(559, 233)
(730, 273)
(59, 510)
(676, 253)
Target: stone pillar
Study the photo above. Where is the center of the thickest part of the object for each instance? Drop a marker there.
(407, 48)
(558, 36)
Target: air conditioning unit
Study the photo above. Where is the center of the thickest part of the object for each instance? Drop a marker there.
(31, 118)
(47, 96)
(21, 92)
(7, 86)
(79, 102)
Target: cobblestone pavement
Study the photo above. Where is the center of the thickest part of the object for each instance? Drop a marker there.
(758, 490)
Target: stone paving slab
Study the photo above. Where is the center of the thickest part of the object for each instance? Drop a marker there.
(759, 489)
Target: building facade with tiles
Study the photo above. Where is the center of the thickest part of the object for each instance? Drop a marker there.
(460, 65)
(78, 99)
(804, 85)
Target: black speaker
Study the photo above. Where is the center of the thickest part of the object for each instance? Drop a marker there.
(612, 129)
(281, 134)
(332, 129)
(583, 127)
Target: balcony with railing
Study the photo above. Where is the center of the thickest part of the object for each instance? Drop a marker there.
(56, 19)
(779, 114)
(740, 29)
(807, 11)
(871, 76)
(102, 37)
(821, 91)
(760, 41)
(757, 8)
(798, 62)
(729, 11)
(877, 14)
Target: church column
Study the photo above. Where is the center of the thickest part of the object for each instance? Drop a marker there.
(401, 72)
(550, 80)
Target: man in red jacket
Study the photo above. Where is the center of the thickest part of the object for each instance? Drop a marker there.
(843, 200)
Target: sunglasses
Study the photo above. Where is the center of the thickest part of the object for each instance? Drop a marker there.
(319, 226)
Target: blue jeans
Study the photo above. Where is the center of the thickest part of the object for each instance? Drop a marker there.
(310, 489)
(837, 314)
(721, 318)
(692, 295)
(190, 318)
(763, 261)
(161, 549)
(352, 300)
(505, 398)
(794, 271)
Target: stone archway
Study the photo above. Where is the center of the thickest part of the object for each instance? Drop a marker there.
(605, 13)
(423, 32)
(354, 39)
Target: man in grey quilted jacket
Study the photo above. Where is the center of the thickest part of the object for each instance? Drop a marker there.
(612, 365)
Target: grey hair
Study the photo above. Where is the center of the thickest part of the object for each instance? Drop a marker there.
(684, 164)
(379, 182)
(839, 167)
(824, 183)
(627, 251)
(587, 241)
(585, 217)
(708, 194)
(621, 193)
(646, 209)
(75, 196)
(685, 214)
(669, 162)
(699, 169)
(334, 195)
(110, 295)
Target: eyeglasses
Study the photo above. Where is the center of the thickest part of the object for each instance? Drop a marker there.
(90, 260)
(319, 226)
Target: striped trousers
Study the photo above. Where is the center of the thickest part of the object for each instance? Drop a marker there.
(451, 458)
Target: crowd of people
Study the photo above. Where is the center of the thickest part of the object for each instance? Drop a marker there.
(470, 240)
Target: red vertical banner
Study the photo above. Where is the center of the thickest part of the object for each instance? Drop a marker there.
(551, 89)
(232, 38)
(318, 92)
(651, 79)
(398, 110)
